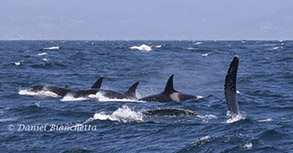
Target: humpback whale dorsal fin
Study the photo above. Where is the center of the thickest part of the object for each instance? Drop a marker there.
(98, 83)
(169, 86)
(230, 87)
(131, 92)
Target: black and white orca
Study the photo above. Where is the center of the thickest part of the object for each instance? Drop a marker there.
(169, 94)
(229, 91)
(61, 92)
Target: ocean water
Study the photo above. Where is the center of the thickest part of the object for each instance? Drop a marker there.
(44, 123)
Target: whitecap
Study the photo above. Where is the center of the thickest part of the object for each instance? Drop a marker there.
(41, 54)
(198, 43)
(44, 59)
(266, 120)
(123, 114)
(208, 117)
(202, 139)
(247, 146)
(17, 63)
(52, 48)
(158, 46)
(143, 48)
(42, 93)
(207, 54)
(275, 48)
(36, 104)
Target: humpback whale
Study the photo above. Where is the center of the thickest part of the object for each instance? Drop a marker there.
(169, 94)
(229, 91)
(129, 94)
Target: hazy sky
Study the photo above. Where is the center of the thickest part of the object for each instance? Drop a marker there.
(146, 19)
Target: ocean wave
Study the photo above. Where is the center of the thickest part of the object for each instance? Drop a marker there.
(198, 43)
(158, 46)
(42, 93)
(247, 146)
(17, 63)
(276, 48)
(207, 54)
(41, 54)
(266, 120)
(143, 48)
(51, 48)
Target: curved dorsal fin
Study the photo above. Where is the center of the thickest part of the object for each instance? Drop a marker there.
(131, 91)
(169, 86)
(230, 87)
(98, 83)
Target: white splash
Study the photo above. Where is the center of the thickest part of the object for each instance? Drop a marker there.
(52, 48)
(207, 117)
(247, 146)
(207, 54)
(238, 92)
(198, 43)
(266, 120)
(36, 104)
(205, 138)
(158, 46)
(100, 97)
(42, 93)
(143, 48)
(41, 54)
(234, 118)
(17, 63)
(199, 97)
(69, 97)
(275, 48)
(123, 114)
(44, 59)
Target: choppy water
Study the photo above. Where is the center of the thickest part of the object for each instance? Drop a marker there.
(265, 83)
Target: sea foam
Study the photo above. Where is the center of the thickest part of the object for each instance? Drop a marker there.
(123, 114)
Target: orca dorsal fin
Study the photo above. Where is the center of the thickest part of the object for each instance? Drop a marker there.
(230, 87)
(98, 83)
(131, 92)
(169, 86)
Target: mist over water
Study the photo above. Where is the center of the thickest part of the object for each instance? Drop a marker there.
(264, 88)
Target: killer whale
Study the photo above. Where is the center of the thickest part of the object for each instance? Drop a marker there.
(229, 92)
(61, 92)
(129, 94)
(169, 94)
(230, 87)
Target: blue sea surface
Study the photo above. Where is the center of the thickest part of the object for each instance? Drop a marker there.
(264, 84)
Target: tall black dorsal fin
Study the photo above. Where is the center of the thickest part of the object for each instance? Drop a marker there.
(98, 83)
(131, 92)
(169, 86)
(230, 87)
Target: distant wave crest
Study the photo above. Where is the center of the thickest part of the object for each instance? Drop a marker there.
(143, 48)
(52, 48)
